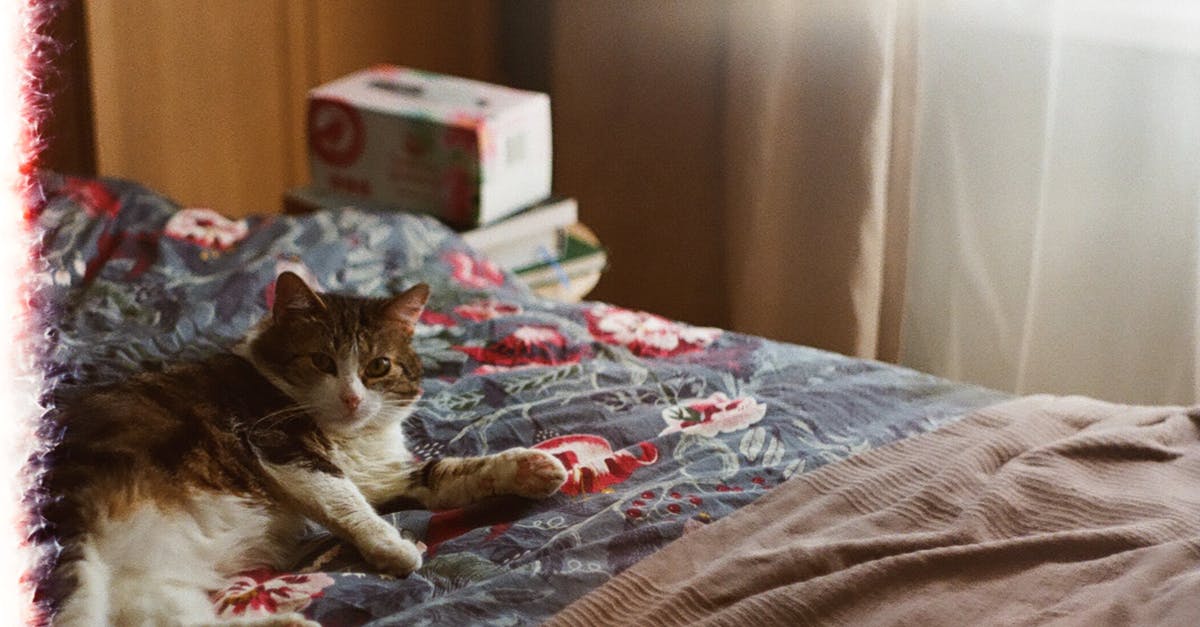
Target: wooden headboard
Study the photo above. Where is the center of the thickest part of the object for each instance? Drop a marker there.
(204, 100)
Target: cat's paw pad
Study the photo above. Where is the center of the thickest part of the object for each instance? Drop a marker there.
(538, 473)
(395, 557)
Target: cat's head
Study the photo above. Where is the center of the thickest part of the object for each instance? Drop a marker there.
(349, 361)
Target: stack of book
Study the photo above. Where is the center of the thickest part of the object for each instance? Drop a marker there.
(544, 245)
(574, 269)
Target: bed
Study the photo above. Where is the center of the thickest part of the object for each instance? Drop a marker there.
(664, 427)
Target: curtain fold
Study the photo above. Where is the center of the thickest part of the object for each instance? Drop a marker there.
(1005, 193)
(817, 129)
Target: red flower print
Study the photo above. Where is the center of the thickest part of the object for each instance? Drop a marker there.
(486, 309)
(96, 199)
(591, 463)
(206, 228)
(142, 248)
(433, 323)
(446, 525)
(527, 346)
(716, 414)
(262, 593)
(645, 334)
(432, 318)
(472, 272)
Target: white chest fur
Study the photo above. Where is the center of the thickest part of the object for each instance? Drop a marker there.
(374, 460)
(155, 566)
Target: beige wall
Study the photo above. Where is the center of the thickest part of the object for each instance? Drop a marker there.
(204, 99)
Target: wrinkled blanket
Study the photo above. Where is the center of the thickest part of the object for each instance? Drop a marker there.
(1039, 511)
(663, 425)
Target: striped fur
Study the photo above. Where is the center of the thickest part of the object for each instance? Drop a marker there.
(169, 483)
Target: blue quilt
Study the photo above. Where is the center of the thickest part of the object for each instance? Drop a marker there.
(664, 426)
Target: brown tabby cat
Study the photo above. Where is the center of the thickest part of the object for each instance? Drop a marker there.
(169, 483)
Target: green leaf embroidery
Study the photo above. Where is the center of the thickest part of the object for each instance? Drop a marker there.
(684, 414)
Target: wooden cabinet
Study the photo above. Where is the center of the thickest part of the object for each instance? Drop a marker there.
(204, 99)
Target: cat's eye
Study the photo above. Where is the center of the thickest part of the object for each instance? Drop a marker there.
(379, 367)
(323, 362)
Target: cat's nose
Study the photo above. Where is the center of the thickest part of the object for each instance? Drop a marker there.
(351, 401)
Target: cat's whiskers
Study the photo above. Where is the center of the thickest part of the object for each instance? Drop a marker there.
(209, 480)
(394, 409)
(397, 404)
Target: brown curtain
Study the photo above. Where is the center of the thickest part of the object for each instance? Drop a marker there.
(746, 163)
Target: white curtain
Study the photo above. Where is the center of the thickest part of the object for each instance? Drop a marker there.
(1055, 235)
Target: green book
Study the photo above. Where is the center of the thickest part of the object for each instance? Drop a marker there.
(580, 254)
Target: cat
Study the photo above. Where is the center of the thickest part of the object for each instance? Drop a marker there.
(167, 484)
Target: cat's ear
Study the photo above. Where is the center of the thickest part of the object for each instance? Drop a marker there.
(292, 295)
(406, 308)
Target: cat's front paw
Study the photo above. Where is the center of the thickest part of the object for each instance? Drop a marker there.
(393, 556)
(537, 475)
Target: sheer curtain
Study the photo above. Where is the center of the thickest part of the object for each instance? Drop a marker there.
(1055, 234)
(998, 191)
(739, 159)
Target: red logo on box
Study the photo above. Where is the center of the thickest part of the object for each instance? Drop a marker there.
(335, 132)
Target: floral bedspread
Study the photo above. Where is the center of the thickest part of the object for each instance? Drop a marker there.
(663, 426)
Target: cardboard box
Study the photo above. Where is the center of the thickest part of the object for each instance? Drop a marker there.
(465, 151)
